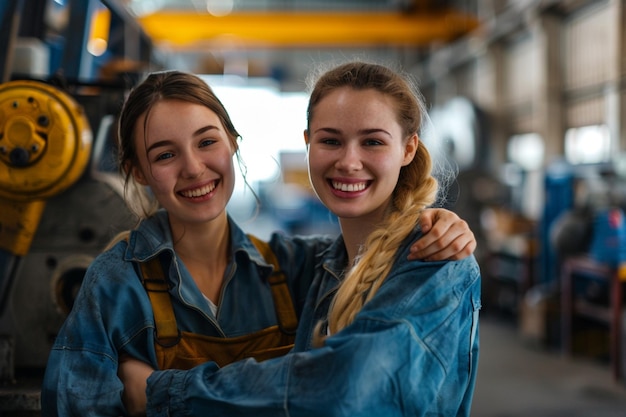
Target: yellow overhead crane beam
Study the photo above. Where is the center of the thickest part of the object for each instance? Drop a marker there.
(180, 29)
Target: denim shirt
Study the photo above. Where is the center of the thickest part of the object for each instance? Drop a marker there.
(411, 351)
(112, 313)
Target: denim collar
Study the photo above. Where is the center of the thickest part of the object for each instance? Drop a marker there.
(335, 258)
(153, 236)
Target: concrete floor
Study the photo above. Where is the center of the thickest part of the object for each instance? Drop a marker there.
(516, 379)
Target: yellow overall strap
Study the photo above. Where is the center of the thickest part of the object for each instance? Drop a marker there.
(156, 285)
(285, 312)
(167, 333)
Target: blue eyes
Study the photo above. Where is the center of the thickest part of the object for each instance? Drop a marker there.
(169, 154)
(163, 156)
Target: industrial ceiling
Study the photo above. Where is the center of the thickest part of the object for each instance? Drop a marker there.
(288, 36)
(193, 24)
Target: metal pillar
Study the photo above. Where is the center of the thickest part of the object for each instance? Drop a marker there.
(9, 21)
(77, 64)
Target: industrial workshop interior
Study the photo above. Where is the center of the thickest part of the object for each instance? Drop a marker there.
(525, 98)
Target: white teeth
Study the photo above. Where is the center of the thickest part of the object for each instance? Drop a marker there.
(349, 187)
(198, 192)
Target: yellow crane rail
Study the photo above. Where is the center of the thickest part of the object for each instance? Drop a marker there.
(181, 29)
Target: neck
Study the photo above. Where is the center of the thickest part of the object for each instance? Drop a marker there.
(205, 249)
(355, 233)
(208, 241)
(356, 230)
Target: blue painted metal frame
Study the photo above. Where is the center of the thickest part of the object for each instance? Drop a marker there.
(77, 63)
(10, 11)
(127, 38)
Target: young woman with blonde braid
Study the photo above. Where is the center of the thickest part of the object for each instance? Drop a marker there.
(379, 335)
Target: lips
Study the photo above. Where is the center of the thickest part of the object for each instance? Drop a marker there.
(349, 188)
(198, 192)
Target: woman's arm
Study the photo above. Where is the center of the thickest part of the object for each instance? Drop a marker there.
(134, 374)
(354, 375)
(413, 350)
(445, 237)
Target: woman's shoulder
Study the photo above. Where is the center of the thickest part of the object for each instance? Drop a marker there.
(461, 273)
(111, 268)
(152, 235)
(418, 285)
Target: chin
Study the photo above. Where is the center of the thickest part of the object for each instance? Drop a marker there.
(347, 214)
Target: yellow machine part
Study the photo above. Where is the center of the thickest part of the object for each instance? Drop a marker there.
(45, 140)
(18, 224)
(45, 145)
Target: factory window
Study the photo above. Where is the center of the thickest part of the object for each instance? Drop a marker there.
(270, 122)
(588, 144)
(526, 150)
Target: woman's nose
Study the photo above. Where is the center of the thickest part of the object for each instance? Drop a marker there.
(193, 166)
(349, 159)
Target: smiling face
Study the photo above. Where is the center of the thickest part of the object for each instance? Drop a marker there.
(356, 151)
(185, 157)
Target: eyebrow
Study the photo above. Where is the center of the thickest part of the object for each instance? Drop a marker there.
(205, 129)
(196, 133)
(362, 131)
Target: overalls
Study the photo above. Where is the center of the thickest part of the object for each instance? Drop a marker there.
(184, 350)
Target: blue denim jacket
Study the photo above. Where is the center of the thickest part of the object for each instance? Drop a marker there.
(113, 314)
(412, 351)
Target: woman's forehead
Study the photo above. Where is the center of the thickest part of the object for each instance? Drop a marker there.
(357, 107)
(178, 114)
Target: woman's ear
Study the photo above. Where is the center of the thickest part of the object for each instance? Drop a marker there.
(136, 172)
(410, 148)
(306, 137)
